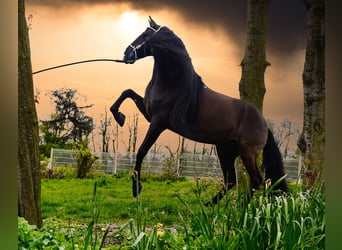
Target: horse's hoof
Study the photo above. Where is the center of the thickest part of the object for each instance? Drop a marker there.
(120, 118)
(135, 175)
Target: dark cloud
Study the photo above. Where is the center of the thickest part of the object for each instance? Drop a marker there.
(286, 19)
(286, 29)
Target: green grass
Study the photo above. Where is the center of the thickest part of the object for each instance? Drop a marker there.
(71, 199)
(294, 221)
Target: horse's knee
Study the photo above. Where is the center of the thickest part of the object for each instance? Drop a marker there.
(113, 108)
(127, 92)
(120, 118)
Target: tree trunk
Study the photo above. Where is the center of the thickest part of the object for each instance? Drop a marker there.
(104, 132)
(28, 152)
(312, 139)
(252, 85)
(135, 132)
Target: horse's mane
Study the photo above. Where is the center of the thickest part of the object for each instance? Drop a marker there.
(173, 60)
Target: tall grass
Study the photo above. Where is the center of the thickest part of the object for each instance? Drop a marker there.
(294, 221)
(142, 236)
(267, 221)
(91, 238)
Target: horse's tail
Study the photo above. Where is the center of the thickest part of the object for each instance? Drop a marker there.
(273, 163)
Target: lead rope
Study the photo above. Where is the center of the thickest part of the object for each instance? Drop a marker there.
(79, 62)
(135, 48)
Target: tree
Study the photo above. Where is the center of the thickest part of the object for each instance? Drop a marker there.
(133, 135)
(68, 124)
(105, 122)
(283, 134)
(312, 139)
(115, 142)
(28, 134)
(252, 85)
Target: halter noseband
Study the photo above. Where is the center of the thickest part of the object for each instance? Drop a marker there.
(135, 48)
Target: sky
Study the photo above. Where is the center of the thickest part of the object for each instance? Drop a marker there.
(214, 33)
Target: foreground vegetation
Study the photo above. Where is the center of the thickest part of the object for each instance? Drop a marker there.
(100, 213)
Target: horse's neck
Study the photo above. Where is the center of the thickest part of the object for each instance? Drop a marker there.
(172, 68)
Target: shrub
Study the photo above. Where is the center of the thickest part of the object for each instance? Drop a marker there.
(62, 172)
(57, 235)
(50, 236)
(85, 159)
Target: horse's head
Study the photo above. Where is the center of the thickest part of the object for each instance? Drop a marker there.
(140, 47)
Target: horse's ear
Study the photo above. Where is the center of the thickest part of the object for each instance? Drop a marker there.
(153, 24)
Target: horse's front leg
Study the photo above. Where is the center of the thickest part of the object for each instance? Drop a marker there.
(138, 100)
(152, 135)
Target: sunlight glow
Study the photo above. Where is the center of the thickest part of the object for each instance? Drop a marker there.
(130, 23)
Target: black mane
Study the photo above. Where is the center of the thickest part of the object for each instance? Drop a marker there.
(174, 63)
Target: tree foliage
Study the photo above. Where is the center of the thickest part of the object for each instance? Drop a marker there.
(68, 124)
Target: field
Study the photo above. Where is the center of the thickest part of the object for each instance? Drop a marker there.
(170, 215)
(72, 199)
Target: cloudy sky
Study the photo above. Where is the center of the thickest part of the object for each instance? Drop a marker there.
(214, 33)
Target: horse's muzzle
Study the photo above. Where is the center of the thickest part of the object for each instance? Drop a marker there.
(129, 59)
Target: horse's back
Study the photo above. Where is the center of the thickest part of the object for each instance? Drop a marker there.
(230, 118)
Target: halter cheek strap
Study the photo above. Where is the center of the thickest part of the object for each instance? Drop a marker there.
(135, 48)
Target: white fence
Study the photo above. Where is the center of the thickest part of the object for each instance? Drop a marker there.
(187, 164)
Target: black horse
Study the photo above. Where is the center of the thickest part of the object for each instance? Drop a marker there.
(178, 100)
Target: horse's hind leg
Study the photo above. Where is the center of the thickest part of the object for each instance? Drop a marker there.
(248, 157)
(227, 156)
(138, 100)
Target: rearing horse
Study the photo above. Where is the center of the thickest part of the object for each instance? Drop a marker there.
(178, 100)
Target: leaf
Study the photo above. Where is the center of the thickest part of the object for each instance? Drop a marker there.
(136, 242)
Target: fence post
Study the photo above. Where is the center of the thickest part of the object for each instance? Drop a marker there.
(115, 161)
(299, 175)
(177, 163)
(51, 156)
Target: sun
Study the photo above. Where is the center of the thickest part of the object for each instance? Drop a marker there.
(130, 23)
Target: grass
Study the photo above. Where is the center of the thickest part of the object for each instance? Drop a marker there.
(295, 221)
(71, 199)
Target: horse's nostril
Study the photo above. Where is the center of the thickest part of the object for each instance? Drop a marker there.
(130, 58)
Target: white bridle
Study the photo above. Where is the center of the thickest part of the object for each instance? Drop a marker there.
(135, 48)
